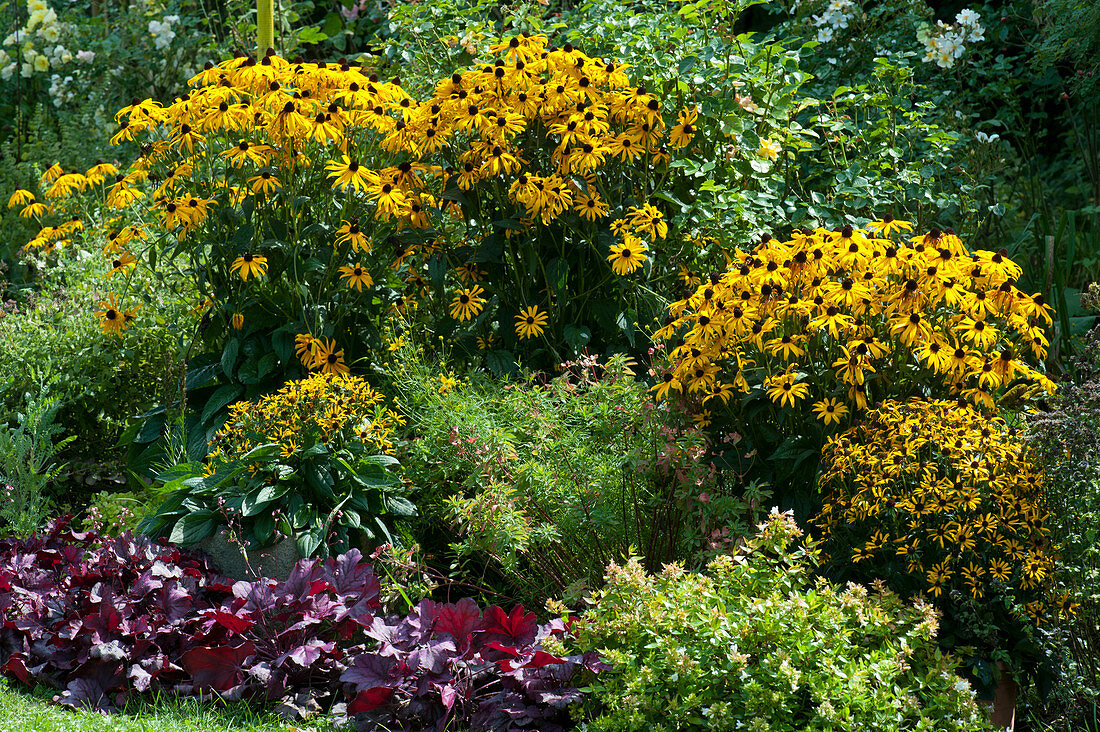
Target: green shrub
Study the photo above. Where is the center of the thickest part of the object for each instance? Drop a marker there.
(756, 643)
(27, 463)
(547, 481)
(1066, 443)
(49, 333)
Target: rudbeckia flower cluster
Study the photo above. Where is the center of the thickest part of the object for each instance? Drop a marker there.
(935, 496)
(328, 408)
(300, 186)
(843, 318)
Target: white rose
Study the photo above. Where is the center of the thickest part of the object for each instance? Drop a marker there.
(66, 56)
(26, 71)
(50, 33)
(967, 17)
(41, 64)
(86, 56)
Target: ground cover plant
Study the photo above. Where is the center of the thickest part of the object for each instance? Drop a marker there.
(102, 619)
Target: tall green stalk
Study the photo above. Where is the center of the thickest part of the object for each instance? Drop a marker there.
(265, 25)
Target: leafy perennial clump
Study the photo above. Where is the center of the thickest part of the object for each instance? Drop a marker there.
(311, 461)
(755, 643)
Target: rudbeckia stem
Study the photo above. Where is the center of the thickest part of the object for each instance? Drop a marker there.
(265, 26)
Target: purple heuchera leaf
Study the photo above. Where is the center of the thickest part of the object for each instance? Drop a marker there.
(459, 621)
(370, 670)
(219, 668)
(514, 629)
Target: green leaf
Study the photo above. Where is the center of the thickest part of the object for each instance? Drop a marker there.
(319, 449)
(312, 34)
(333, 24)
(557, 275)
(201, 375)
(257, 500)
(193, 528)
(219, 399)
(264, 528)
(400, 506)
(150, 430)
(501, 363)
(577, 337)
(229, 358)
(309, 541)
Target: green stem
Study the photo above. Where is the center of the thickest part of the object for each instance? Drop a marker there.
(265, 26)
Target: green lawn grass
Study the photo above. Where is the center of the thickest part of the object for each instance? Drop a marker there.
(24, 712)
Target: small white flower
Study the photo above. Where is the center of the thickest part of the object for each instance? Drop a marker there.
(967, 17)
(824, 35)
(85, 56)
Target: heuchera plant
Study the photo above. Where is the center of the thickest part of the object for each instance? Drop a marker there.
(446, 662)
(102, 618)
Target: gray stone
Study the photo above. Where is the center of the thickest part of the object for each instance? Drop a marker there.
(274, 562)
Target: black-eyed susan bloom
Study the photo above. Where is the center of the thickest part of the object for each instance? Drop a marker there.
(467, 303)
(356, 276)
(349, 232)
(34, 209)
(249, 265)
(649, 220)
(530, 322)
(888, 224)
(668, 382)
(830, 411)
(784, 389)
(122, 263)
(627, 256)
(684, 130)
(20, 198)
(590, 207)
(327, 358)
(303, 348)
(113, 319)
(348, 172)
(265, 183)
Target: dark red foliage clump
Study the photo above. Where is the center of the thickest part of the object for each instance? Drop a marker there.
(102, 618)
